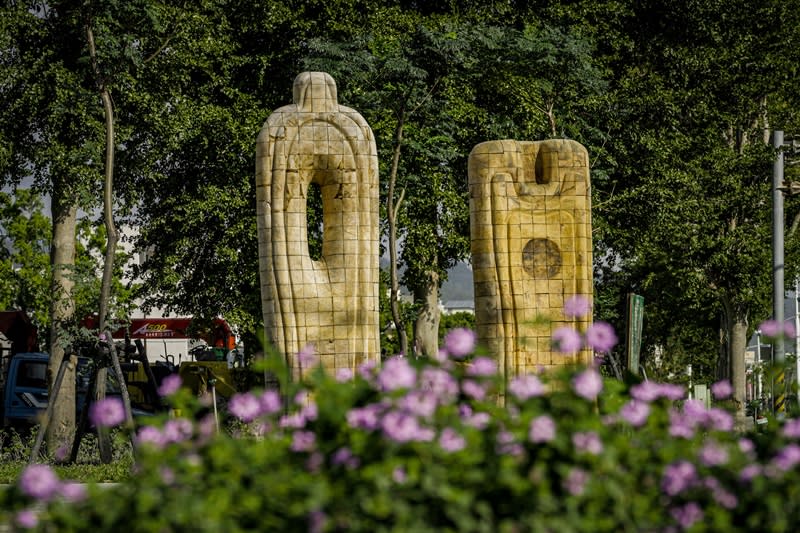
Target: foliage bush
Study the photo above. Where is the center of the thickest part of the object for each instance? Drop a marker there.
(440, 445)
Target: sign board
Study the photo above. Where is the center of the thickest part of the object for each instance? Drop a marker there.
(634, 338)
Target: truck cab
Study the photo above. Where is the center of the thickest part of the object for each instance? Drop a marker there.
(25, 392)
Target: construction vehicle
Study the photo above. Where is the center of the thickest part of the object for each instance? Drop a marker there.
(213, 364)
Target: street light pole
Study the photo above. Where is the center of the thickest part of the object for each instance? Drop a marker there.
(777, 245)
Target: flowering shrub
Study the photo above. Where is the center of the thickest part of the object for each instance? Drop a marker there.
(435, 445)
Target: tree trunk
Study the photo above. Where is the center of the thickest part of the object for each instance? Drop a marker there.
(735, 320)
(104, 443)
(61, 427)
(391, 213)
(426, 327)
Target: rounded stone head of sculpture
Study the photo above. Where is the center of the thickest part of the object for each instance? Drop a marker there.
(315, 92)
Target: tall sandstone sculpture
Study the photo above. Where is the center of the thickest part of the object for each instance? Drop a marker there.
(330, 304)
(530, 219)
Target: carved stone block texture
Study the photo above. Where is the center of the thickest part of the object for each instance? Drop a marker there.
(530, 220)
(330, 303)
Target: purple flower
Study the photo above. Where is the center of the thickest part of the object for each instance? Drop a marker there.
(367, 370)
(673, 392)
(588, 384)
(695, 411)
(270, 402)
(635, 412)
(309, 411)
(482, 366)
(419, 402)
(526, 386)
(680, 425)
(787, 458)
(719, 419)
(344, 375)
(307, 356)
(399, 475)
(791, 429)
(712, 454)
(364, 417)
(687, 515)
(303, 441)
(169, 385)
(167, 475)
(294, 420)
(441, 383)
(575, 482)
(316, 521)
(177, 430)
(476, 420)
(576, 306)
(460, 342)
(678, 477)
(344, 457)
(722, 389)
(746, 446)
(108, 412)
(721, 496)
(646, 391)
(566, 340)
(244, 406)
(542, 429)
(506, 444)
(402, 427)
(788, 330)
(771, 328)
(601, 337)
(397, 374)
(27, 519)
(73, 492)
(150, 435)
(587, 441)
(473, 389)
(451, 441)
(39, 482)
(749, 472)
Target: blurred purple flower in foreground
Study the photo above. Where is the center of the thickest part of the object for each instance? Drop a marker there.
(307, 356)
(600, 336)
(722, 389)
(39, 482)
(169, 385)
(460, 342)
(678, 477)
(525, 386)
(575, 482)
(107, 412)
(73, 492)
(587, 441)
(566, 340)
(244, 406)
(687, 515)
(27, 519)
(774, 329)
(588, 384)
(451, 441)
(635, 412)
(576, 306)
(397, 374)
(542, 429)
(482, 366)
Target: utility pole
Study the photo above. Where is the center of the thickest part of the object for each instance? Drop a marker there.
(778, 354)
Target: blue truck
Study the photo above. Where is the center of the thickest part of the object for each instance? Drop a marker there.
(24, 389)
